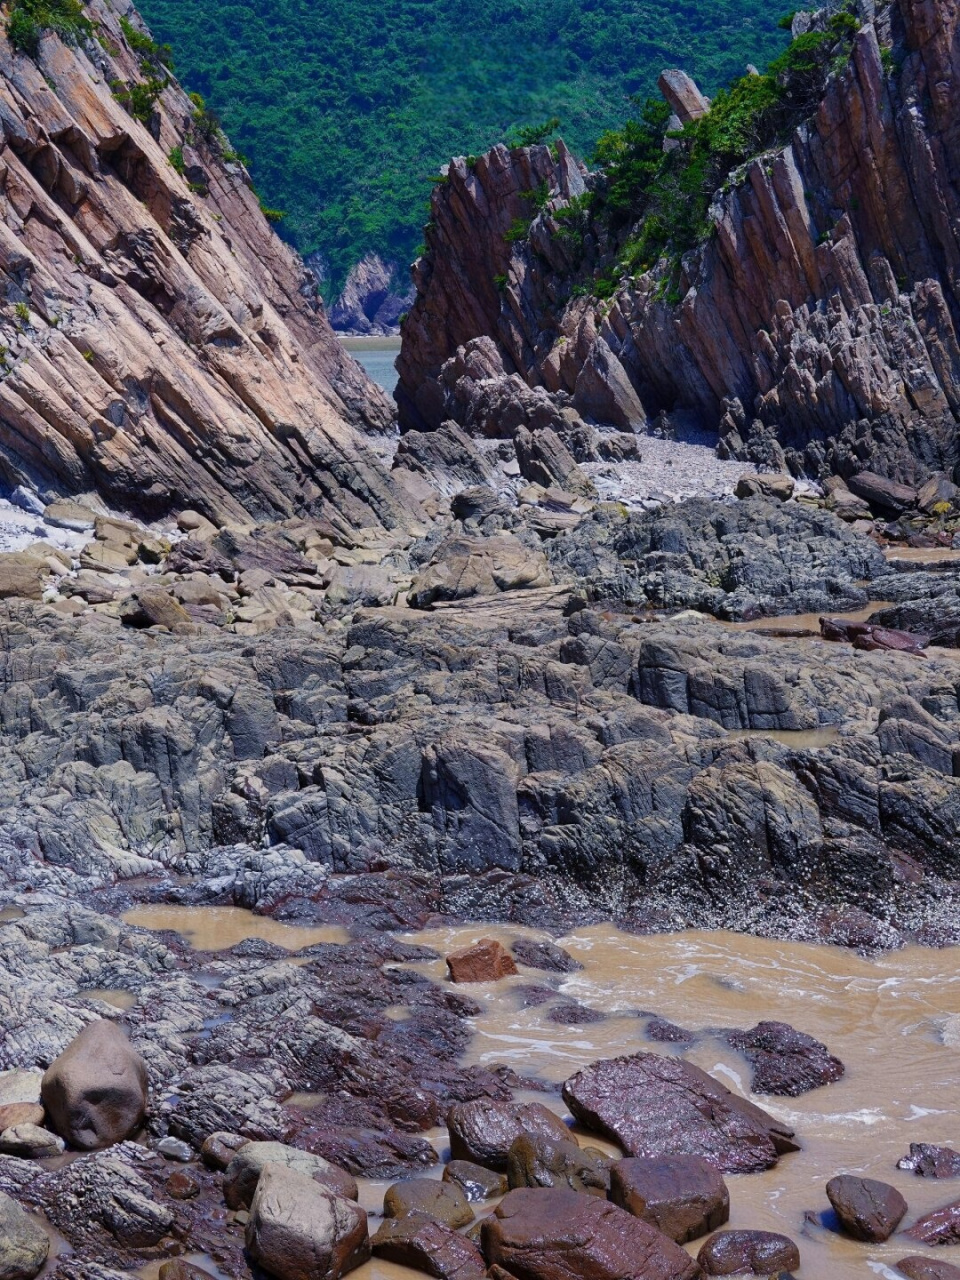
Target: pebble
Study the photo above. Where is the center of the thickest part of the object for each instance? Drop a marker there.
(175, 1149)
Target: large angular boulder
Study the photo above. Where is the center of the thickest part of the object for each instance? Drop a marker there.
(485, 961)
(443, 1201)
(657, 1106)
(244, 1170)
(929, 1161)
(867, 1209)
(682, 1196)
(299, 1230)
(555, 1234)
(484, 1131)
(24, 1244)
(95, 1092)
(419, 1242)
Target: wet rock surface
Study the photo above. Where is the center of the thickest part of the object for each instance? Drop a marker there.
(867, 1209)
(757, 1253)
(484, 1132)
(928, 1161)
(785, 1062)
(683, 1196)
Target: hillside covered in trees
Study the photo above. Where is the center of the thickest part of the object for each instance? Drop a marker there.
(345, 110)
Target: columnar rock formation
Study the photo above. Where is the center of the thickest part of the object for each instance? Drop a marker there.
(160, 344)
(818, 323)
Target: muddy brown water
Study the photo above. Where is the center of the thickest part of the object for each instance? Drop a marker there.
(218, 928)
(922, 555)
(807, 621)
(894, 1021)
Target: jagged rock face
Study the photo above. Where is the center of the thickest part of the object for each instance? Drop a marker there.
(371, 301)
(175, 352)
(817, 327)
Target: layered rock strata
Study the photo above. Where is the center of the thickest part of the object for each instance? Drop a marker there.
(816, 327)
(161, 346)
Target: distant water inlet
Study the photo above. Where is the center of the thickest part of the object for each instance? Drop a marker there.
(377, 355)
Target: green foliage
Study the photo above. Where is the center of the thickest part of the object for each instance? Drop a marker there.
(665, 197)
(519, 229)
(150, 55)
(22, 312)
(272, 215)
(29, 19)
(177, 161)
(527, 135)
(139, 98)
(342, 107)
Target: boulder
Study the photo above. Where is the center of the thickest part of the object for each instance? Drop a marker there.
(683, 96)
(299, 1230)
(886, 497)
(748, 1253)
(476, 1182)
(423, 1244)
(219, 1149)
(541, 1160)
(656, 1106)
(16, 1113)
(442, 1201)
(463, 567)
(867, 1209)
(95, 1092)
(920, 1268)
(153, 607)
(546, 460)
(447, 457)
(24, 1244)
(682, 1196)
(537, 1234)
(21, 576)
(245, 1168)
(778, 486)
(30, 1142)
(937, 493)
(484, 961)
(940, 1226)
(544, 955)
(928, 1161)
(484, 1131)
(785, 1062)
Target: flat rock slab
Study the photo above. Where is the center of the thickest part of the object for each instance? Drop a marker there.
(537, 1234)
(920, 1268)
(658, 1106)
(748, 1253)
(484, 1131)
(785, 1062)
(867, 1209)
(682, 1196)
(940, 1226)
(442, 1201)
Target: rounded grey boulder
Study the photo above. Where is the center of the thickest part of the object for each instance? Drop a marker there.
(299, 1230)
(24, 1244)
(95, 1092)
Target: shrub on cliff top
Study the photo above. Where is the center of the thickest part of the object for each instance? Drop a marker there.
(29, 19)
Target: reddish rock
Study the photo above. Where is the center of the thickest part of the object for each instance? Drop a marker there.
(443, 1201)
(785, 1062)
(928, 1161)
(484, 1131)
(748, 1253)
(539, 1160)
(484, 961)
(16, 1113)
(556, 1234)
(920, 1268)
(182, 1185)
(682, 1196)
(656, 1106)
(426, 1245)
(940, 1226)
(867, 1209)
(476, 1182)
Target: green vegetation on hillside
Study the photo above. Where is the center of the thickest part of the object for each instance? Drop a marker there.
(345, 109)
(30, 18)
(655, 203)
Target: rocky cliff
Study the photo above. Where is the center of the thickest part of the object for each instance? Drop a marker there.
(816, 326)
(160, 345)
(373, 298)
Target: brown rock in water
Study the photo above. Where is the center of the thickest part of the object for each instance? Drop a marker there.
(476, 1182)
(682, 1196)
(247, 1165)
(484, 1131)
(922, 1268)
(551, 1235)
(220, 1148)
(867, 635)
(180, 1269)
(540, 1160)
(95, 1092)
(867, 1209)
(426, 1245)
(544, 955)
(655, 1106)
(928, 1161)
(940, 1226)
(748, 1253)
(785, 1062)
(299, 1230)
(443, 1201)
(182, 1185)
(484, 961)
